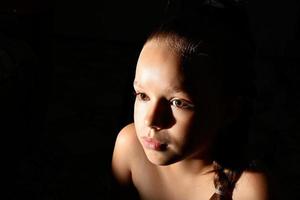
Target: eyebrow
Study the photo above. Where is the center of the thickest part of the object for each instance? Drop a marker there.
(170, 90)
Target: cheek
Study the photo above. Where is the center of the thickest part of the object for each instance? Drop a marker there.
(138, 115)
(190, 135)
(185, 123)
(190, 129)
(184, 119)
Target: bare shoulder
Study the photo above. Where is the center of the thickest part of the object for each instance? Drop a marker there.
(251, 186)
(124, 153)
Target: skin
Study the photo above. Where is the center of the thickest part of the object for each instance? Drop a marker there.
(164, 110)
(180, 130)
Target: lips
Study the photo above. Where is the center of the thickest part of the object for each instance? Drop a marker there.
(154, 144)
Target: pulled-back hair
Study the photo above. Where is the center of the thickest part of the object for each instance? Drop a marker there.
(220, 37)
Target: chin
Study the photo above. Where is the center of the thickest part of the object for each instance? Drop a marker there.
(161, 158)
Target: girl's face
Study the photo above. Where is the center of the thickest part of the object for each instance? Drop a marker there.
(171, 124)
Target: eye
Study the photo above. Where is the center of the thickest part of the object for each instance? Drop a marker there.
(141, 96)
(180, 103)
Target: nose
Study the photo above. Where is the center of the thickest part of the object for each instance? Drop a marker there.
(159, 115)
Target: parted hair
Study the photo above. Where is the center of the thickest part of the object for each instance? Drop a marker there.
(219, 37)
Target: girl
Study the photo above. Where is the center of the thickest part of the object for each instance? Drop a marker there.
(193, 90)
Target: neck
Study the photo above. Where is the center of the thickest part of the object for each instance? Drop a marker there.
(198, 163)
(190, 167)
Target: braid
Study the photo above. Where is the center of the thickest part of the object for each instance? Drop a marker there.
(224, 181)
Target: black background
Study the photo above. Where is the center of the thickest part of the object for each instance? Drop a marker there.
(66, 74)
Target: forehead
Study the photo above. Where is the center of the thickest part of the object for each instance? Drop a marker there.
(158, 50)
(158, 63)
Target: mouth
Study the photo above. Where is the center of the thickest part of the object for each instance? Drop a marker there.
(154, 144)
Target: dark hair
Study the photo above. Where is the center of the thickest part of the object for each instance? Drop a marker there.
(220, 37)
